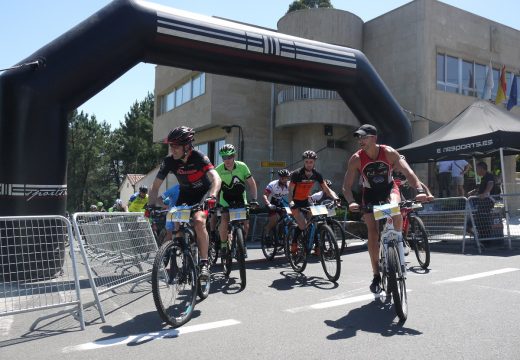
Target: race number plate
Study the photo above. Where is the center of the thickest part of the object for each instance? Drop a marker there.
(384, 211)
(331, 212)
(237, 214)
(318, 210)
(178, 215)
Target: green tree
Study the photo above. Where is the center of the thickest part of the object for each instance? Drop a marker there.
(309, 4)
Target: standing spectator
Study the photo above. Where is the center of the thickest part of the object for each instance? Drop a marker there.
(459, 168)
(444, 168)
(481, 201)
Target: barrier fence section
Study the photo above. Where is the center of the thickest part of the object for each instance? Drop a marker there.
(36, 272)
(118, 248)
(485, 220)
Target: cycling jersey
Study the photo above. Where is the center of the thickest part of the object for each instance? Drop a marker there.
(376, 177)
(320, 197)
(233, 188)
(137, 203)
(278, 192)
(303, 184)
(191, 175)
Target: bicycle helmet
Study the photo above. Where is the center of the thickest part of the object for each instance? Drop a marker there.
(143, 188)
(328, 182)
(93, 208)
(227, 150)
(119, 202)
(284, 173)
(181, 135)
(309, 154)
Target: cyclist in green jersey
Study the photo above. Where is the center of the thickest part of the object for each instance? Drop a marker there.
(234, 175)
(139, 200)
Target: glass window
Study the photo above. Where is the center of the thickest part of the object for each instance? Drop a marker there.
(440, 68)
(203, 148)
(218, 144)
(480, 78)
(452, 70)
(468, 78)
(186, 92)
(170, 101)
(178, 97)
(202, 83)
(196, 86)
(496, 78)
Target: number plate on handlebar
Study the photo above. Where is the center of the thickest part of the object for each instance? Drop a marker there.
(237, 214)
(179, 215)
(385, 211)
(319, 210)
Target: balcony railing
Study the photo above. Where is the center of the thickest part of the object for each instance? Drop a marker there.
(305, 93)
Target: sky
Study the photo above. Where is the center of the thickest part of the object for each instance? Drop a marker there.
(28, 25)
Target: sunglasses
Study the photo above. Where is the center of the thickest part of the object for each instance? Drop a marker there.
(228, 157)
(363, 137)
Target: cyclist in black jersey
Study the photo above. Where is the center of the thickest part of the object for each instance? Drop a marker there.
(196, 177)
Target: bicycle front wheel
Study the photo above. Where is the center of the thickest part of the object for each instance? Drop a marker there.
(329, 253)
(174, 284)
(339, 233)
(241, 256)
(418, 239)
(298, 257)
(268, 242)
(397, 283)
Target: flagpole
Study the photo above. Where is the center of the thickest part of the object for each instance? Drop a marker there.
(504, 193)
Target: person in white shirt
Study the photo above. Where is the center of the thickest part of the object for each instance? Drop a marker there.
(275, 194)
(458, 169)
(444, 178)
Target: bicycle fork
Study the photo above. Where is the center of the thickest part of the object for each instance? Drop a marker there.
(396, 238)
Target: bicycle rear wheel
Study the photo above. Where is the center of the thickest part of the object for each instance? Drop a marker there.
(240, 255)
(418, 239)
(339, 234)
(397, 283)
(297, 259)
(268, 242)
(329, 253)
(174, 284)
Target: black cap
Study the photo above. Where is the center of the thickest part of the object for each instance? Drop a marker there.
(365, 130)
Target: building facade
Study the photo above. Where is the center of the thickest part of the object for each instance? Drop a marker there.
(432, 56)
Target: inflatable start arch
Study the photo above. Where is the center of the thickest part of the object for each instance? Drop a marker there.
(35, 100)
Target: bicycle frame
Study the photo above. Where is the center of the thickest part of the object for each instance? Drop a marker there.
(389, 236)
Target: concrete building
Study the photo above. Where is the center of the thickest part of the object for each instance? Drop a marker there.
(432, 57)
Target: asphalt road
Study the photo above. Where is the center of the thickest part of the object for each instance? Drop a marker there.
(463, 307)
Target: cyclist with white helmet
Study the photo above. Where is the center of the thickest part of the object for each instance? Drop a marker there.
(302, 182)
(235, 175)
(196, 177)
(118, 206)
(320, 197)
(276, 194)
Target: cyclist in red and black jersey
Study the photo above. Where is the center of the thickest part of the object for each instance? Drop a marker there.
(196, 177)
(374, 163)
(300, 186)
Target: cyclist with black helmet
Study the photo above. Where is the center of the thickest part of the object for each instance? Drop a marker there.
(139, 200)
(196, 177)
(276, 194)
(302, 182)
(235, 175)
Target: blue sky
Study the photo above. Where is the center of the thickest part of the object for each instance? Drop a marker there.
(28, 25)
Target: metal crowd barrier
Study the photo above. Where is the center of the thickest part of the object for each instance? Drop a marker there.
(38, 266)
(118, 248)
(486, 221)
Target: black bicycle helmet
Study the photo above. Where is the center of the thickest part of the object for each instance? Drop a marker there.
(181, 135)
(143, 188)
(309, 154)
(284, 173)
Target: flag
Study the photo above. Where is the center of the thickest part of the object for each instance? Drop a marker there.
(488, 84)
(502, 87)
(513, 95)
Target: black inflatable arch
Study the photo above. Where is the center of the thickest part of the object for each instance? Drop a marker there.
(35, 100)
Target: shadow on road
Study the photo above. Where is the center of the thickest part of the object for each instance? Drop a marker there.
(291, 280)
(376, 317)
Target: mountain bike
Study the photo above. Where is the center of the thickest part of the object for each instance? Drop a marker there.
(318, 234)
(391, 259)
(274, 242)
(175, 272)
(415, 233)
(236, 246)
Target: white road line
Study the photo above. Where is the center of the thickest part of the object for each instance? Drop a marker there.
(136, 339)
(5, 324)
(334, 303)
(477, 276)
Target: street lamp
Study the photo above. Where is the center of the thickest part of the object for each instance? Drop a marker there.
(227, 128)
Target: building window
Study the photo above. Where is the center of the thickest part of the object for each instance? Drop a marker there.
(211, 150)
(465, 77)
(194, 87)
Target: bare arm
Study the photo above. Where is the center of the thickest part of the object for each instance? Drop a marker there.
(214, 178)
(327, 190)
(253, 191)
(350, 177)
(266, 197)
(291, 191)
(154, 191)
